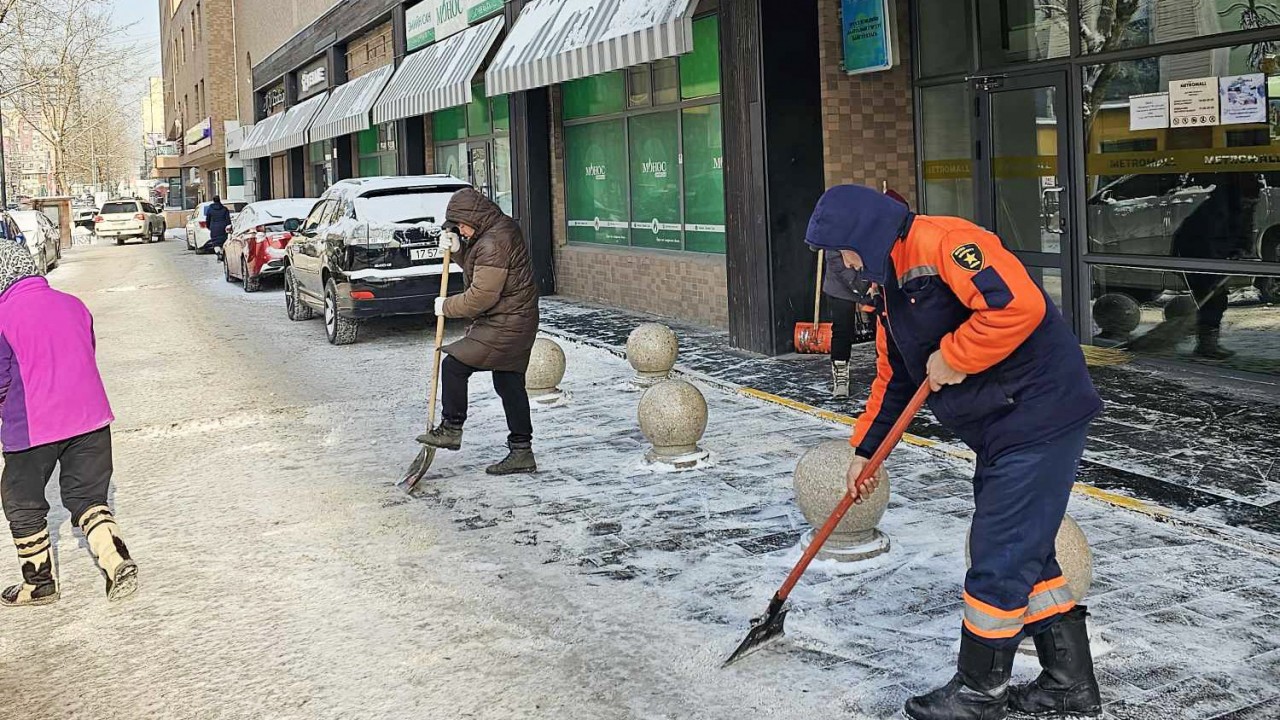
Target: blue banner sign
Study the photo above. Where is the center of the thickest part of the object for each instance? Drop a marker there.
(867, 27)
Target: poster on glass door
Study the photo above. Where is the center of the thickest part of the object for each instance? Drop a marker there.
(1243, 98)
(1193, 102)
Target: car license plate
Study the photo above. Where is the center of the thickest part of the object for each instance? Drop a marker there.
(419, 254)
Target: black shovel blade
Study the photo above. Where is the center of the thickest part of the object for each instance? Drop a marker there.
(764, 630)
(419, 468)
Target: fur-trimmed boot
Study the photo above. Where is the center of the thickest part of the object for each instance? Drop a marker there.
(39, 584)
(102, 533)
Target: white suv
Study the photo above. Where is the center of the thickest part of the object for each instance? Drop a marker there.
(124, 219)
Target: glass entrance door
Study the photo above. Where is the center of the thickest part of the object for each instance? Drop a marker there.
(478, 167)
(1022, 175)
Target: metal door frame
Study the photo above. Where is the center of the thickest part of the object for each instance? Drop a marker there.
(1073, 306)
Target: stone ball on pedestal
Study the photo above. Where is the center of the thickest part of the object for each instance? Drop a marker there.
(546, 370)
(820, 483)
(1074, 557)
(673, 416)
(1117, 314)
(652, 350)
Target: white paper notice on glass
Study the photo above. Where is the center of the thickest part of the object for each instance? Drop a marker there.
(1149, 112)
(1244, 98)
(1193, 102)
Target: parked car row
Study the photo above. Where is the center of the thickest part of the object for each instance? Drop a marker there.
(366, 248)
(198, 236)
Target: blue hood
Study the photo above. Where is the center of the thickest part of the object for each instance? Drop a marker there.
(853, 217)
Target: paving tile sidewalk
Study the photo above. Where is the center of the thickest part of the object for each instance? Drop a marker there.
(1207, 455)
(1185, 626)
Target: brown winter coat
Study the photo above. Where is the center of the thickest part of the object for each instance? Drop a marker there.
(501, 297)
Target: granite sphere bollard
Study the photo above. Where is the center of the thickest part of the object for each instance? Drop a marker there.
(820, 481)
(546, 370)
(673, 416)
(1074, 557)
(652, 349)
(1117, 314)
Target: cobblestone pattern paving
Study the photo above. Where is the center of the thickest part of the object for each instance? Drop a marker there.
(1184, 627)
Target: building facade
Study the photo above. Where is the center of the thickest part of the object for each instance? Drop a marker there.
(665, 156)
(199, 86)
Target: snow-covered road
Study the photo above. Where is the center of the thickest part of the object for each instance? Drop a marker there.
(283, 576)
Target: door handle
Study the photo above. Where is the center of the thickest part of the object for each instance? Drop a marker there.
(1052, 219)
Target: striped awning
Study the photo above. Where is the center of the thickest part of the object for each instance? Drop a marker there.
(555, 41)
(292, 131)
(347, 111)
(255, 146)
(437, 76)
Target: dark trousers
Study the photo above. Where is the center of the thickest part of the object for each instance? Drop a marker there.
(1015, 585)
(84, 478)
(509, 386)
(844, 325)
(1210, 293)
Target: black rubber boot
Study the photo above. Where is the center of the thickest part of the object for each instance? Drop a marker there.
(979, 690)
(444, 436)
(1207, 346)
(39, 584)
(1067, 687)
(518, 460)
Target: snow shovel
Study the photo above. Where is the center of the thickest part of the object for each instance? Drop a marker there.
(768, 627)
(814, 337)
(427, 454)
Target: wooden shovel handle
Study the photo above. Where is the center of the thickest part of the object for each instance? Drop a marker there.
(435, 369)
(817, 290)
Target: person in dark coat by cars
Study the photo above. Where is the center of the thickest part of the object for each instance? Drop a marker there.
(218, 218)
(501, 300)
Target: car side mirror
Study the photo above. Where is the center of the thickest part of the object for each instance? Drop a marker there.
(20, 238)
(292, 225)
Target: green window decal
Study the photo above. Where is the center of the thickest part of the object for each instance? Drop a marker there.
(655, 181)
(596, 183)
(703, 180)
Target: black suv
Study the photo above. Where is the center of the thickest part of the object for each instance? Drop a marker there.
(370, 248)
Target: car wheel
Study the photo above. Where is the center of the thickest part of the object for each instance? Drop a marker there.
(226, 272)
(119, 241)
(251, 284)
(340, 330)
(294, 307)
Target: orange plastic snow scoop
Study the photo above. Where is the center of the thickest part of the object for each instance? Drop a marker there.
(814, 337)
(768, 627)
(427, 454)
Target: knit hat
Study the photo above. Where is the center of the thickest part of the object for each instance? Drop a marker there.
(16, 263)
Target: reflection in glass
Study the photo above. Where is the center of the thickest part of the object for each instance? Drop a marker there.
(1012, 31)
(1210, 192)
(947, 150)
(945, 37)
(1051, 280)
(502, 193)
(1111, 25)
(1024, 165)
(1202, 317)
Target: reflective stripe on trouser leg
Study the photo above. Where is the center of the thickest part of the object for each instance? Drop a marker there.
(102, 533)
(1020, 498)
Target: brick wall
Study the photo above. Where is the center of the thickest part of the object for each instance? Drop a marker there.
(685, 286)
(370, 51)
(196, 34)
(868, 120)
(262, 26)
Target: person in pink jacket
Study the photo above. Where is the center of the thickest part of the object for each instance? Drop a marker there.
(53, 412)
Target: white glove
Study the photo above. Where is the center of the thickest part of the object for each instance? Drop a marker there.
(440, 304)
(451, 240)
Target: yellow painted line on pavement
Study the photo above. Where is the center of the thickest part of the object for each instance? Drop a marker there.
(1110, 498)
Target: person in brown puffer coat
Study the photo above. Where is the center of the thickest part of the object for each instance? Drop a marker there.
(501, 300)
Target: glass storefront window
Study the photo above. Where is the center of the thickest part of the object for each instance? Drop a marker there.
(947, 150)
(483, 158)
(1024, 165)
(376, 150)
(501, 113)
(596, 187)
(700, 69)
(502, 189)
(946, 36)
(1051, 280)
(639, 89)
(319, 167)
(1111, 26)
(666, 82)
(1198, 317)
(703, 180)
(655, 181)
(1014, 31)
(479, 122)
(1205, 191)
(449, 124)
(595, 95)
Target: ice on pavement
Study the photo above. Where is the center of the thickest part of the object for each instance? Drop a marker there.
(284, 577)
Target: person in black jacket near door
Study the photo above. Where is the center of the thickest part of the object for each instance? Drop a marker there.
(218, 218)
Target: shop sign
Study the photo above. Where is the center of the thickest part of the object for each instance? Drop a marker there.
(272, 99)
(434, 20)
(200, 136)
(1193, 102)
(1262, 158)
(167, 149)
(312, 80)
(868, 28)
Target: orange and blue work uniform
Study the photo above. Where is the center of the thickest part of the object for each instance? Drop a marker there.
(945, 284)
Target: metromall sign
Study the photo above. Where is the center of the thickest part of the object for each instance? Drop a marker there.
(434, 20)
(199, 137)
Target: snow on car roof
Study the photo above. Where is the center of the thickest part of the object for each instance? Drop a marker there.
(26, 219)
(356, 187)
(286, 208)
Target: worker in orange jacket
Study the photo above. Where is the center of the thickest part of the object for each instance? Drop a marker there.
(958, 310)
